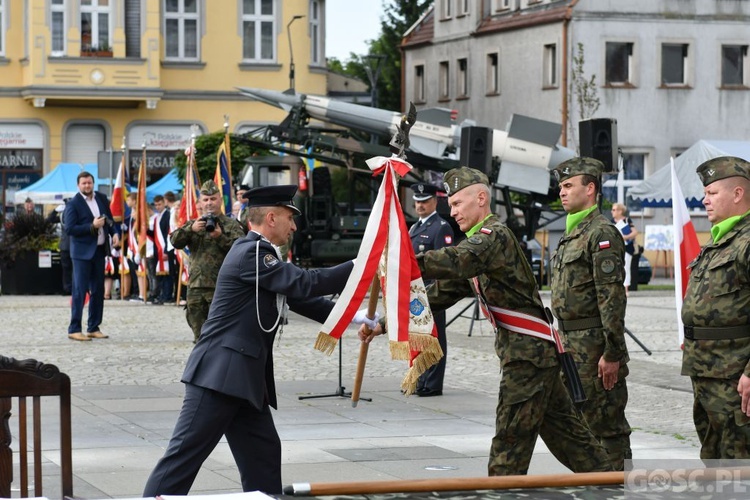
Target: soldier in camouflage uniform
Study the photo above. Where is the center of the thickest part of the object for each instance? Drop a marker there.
(533, 400)
(716, 314)
(588, 300)
(207, 252)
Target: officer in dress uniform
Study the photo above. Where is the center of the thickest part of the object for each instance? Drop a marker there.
(431, 232)
(229, 381)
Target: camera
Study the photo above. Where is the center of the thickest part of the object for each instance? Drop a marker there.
(210, 220)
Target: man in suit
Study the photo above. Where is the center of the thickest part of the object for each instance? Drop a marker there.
(88, 222)
(431, 232)
(229, 381)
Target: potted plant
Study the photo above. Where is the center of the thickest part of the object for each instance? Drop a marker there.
(24, 235)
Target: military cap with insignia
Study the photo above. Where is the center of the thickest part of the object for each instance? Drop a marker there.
(456, 179)
(209, 188)
(578, 166)
(273, 196)
(423, 192)
(722, 167)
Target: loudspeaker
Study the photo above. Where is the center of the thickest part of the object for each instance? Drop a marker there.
(476, 148)
(599, 141)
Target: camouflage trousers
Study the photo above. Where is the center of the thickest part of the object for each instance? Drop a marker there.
(198, 303)
(723, 430)
(604, 412)
(534, 402)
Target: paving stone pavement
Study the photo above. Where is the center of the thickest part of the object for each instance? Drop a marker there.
(127, 395)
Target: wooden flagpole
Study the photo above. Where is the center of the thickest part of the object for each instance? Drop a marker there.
(458, 484)
(122, 211)
(372, 305)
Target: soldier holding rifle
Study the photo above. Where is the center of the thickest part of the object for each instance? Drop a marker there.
(533, 400)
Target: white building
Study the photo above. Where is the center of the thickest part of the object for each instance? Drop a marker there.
(671, 72)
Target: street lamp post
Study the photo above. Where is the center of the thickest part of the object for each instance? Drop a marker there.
(291, 52)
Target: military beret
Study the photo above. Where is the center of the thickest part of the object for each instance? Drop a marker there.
(273, 196)
(578, 166)
(423, 192)
(721, 168)
(458, 178)
(243, 187)
(209, 188)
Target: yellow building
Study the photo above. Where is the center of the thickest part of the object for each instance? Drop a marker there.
(78, 76)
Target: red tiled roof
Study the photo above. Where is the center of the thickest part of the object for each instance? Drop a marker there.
(520, 20)
(421, 34)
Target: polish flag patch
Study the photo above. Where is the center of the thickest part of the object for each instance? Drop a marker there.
(604, 244)
(485, 230)
(448, 239)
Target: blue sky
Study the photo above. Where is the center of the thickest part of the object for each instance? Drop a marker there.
(349, 24)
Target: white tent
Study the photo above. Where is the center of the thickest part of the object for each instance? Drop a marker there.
(57, 185)
(656, 191)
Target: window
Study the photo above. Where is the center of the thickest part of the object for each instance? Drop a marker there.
(316, 47)
(619, 61)
(501, 5)
(95, 25)
(674, 64)
(549, 73)
(463, 77)
(447, 9)
(57, 28)
(258, 19)
(493, 74)
(444, 92)
(463, 7)
(419, 83)
(181, 29)
(733, 60)
(632, 173)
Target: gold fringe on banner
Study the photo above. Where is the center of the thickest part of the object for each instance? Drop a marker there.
(431, 352)
(325, 343)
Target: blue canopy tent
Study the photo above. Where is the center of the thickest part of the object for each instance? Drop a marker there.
(170, 182)
(656, 191)
(57, 185)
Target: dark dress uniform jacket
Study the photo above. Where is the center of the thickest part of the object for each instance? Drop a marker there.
(434, 233)
(234, 355)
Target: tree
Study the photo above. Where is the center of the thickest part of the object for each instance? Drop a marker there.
(206, 147)
(399, 16)
(583, 90)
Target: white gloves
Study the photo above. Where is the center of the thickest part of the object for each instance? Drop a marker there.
(361, 318)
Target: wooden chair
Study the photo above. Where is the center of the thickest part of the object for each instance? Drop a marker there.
(23, 379)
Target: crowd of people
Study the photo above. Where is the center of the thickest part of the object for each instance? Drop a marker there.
(240, 288)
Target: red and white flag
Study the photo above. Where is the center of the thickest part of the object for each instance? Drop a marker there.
(686, 247)
(387, 250)
(119, 194)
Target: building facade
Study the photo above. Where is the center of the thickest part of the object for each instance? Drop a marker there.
(78, 77)
(671, 72)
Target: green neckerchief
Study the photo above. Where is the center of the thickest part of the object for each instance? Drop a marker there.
(722, 228)
(572, 220)
(476, 228)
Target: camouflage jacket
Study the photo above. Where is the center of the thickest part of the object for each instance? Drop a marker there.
(206, 253)
(587, 275)
(494, 256)
(718, 294)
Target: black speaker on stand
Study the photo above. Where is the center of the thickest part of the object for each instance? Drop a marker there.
(476, 149)
(599, 141)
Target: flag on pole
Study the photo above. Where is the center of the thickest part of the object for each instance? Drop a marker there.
(189, 204)
(386, 249)
(686, 247)
(119, 194)
(141, 207)
(223, 178)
